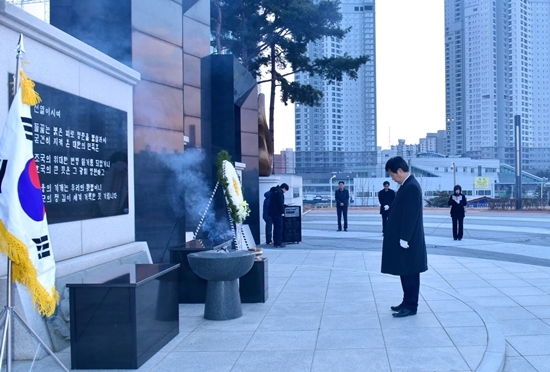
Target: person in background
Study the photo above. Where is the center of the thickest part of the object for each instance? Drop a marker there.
(341, 196)
(277, 212)
(457, 201)
(385, 198)
(404, 247)
(267, 218)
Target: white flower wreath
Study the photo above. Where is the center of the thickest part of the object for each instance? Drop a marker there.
(234, 194)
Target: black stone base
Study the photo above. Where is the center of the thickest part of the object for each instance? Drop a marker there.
(253, 286)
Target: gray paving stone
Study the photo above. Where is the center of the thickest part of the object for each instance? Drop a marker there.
(492, 301)
(530, 345)
(539, 362)
(518, 364)
(350, 321)
(282, 340)
(315, 295)
(274, 361)
(349, 287)
(522, 291)
(442, 306)
(512, 283)
(423, 319)
(472, 355)
(360, 360)
(247, 322)
(346, 296)
(468, 336)
(510, 351)
(507, 312)
(225, 341)
(331, 339)
(462, 319)
(415, 360)
(197, 361)
(420, 337)
(286, 308)
(292, 322)
(514, 327)
(353, 307)
(479, 283)
(532, 300)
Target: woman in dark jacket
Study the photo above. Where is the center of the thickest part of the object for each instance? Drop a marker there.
(457, 201)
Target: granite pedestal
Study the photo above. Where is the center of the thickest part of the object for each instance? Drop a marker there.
(222, 270)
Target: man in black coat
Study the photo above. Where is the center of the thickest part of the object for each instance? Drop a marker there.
(385, 198)
(341, 196)
(277, 212)
(404, 247)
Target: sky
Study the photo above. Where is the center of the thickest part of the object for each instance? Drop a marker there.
(410, 73)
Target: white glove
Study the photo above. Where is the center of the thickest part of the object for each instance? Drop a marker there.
(403, 244)
(386, 207)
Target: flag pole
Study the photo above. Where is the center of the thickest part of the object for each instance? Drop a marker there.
(7, 337)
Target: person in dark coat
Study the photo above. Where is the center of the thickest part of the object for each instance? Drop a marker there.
(385, 198)
(267, 218)
(277, 212)
(458, 202)
(404, 246)
(341, 196)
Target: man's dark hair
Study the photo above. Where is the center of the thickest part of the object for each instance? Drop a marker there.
(341, 182)
(386, 183)
(284, 186)
(393, 164)
(458, 187)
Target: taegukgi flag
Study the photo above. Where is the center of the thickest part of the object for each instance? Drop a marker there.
(24, 234)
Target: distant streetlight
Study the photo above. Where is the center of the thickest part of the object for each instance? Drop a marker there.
(454, 173)
(349, 185)
(543, 181)
(330, 185)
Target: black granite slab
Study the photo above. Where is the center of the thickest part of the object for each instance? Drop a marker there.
(121, 317)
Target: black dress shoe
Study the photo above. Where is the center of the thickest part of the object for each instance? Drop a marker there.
(404, 312)
(280, 246)
(397, 308)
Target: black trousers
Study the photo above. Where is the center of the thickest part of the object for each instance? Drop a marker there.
(411, 290)
(458, 227)
(277, 230)
(268, 229)
(342, 211)
(385, 216)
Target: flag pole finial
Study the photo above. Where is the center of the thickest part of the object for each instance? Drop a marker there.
(20, 47)
(21, 81)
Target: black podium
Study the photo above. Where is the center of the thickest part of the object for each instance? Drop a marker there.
(292, 224)
(122, 316)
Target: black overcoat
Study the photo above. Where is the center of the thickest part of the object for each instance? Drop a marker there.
(385, 198)
(405, 222)
(457, 209)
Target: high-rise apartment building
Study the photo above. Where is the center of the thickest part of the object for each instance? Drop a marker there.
(340, 134)
(497, 65)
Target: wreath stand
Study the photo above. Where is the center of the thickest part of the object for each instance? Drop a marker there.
(239, 236)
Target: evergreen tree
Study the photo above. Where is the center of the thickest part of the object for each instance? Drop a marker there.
(272, 36)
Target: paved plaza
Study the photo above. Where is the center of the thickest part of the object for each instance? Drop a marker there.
(485, 304)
